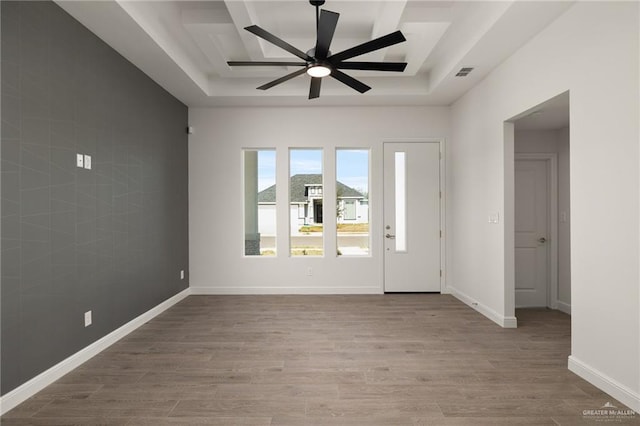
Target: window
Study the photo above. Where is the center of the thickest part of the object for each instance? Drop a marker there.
(306, 195)
(349, 209)
(259, 202)
(352, 202)
(401, 201)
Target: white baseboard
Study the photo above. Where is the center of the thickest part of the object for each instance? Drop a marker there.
(44, 379)
(605, 383)
(564, 307)
(228, 291)
(501, 320)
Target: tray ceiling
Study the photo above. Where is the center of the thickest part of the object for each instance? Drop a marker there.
(184, 45)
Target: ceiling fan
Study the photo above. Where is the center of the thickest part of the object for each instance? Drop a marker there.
(319, 62)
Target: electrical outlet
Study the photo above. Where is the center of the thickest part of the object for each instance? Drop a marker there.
(87, 162)
(87, 319)
(80, 160)
(309, 271)
(182, 274)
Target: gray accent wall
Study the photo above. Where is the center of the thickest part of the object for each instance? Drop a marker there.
(112, 239)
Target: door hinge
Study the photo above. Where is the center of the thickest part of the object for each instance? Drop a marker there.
(440, 234)
(440, 272)
(440, 194)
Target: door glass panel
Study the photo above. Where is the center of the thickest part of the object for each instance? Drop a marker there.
(401, 201)
(259, 202)
(352, 202)
(306, 202)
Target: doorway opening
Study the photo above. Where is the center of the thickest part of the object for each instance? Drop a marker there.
(541, 253)
(317, 211)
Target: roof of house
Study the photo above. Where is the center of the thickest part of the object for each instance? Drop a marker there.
(298, 186)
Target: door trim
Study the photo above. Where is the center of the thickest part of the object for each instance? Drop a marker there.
(552, 190)
(442, 144)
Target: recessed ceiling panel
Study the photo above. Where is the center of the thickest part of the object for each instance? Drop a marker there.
(187, 44)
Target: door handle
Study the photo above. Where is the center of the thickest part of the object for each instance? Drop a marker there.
(391, 237)
(542, 240)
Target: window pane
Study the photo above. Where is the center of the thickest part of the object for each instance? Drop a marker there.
(401, 201)
(352, 202)
(306, 197)
(259, 202)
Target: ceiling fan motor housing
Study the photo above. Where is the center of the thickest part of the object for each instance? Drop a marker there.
(312, 52)
(316, 2)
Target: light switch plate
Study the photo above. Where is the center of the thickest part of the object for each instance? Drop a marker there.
(87, 162)
(87, 319)
(80, 160)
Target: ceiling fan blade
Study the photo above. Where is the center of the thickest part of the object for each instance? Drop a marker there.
(372, 66)
(254, 29)
(349, 81)
(314, 88)
(370, 46)
(282, 79)
(326, 28)
(262, 63)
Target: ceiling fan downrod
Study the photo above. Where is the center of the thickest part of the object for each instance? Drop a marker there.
(317, 4)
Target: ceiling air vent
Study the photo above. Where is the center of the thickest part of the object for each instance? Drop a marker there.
(464, 72)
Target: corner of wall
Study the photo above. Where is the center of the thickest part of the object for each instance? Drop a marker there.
(564, 307)
(600, 380)
(501, 320)
(44, 379)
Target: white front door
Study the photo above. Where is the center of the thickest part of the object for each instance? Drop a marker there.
(531, 233)
(412, 217)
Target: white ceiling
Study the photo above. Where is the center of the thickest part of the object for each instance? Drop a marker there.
(552, 114)
(184, 45)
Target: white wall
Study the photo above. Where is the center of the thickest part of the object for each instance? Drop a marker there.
(564, 220)
(591, 50)
(215, 230)
(556, 142)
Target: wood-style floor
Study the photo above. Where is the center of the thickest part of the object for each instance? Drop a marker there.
(325, 360)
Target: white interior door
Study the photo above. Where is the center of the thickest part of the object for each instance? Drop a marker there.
(412, 217)
(531, 233)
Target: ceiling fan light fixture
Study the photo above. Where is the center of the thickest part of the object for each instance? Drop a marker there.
(318, 70)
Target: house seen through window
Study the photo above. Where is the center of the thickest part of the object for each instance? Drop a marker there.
(306, 202)
(306, 195)
(352, 202)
